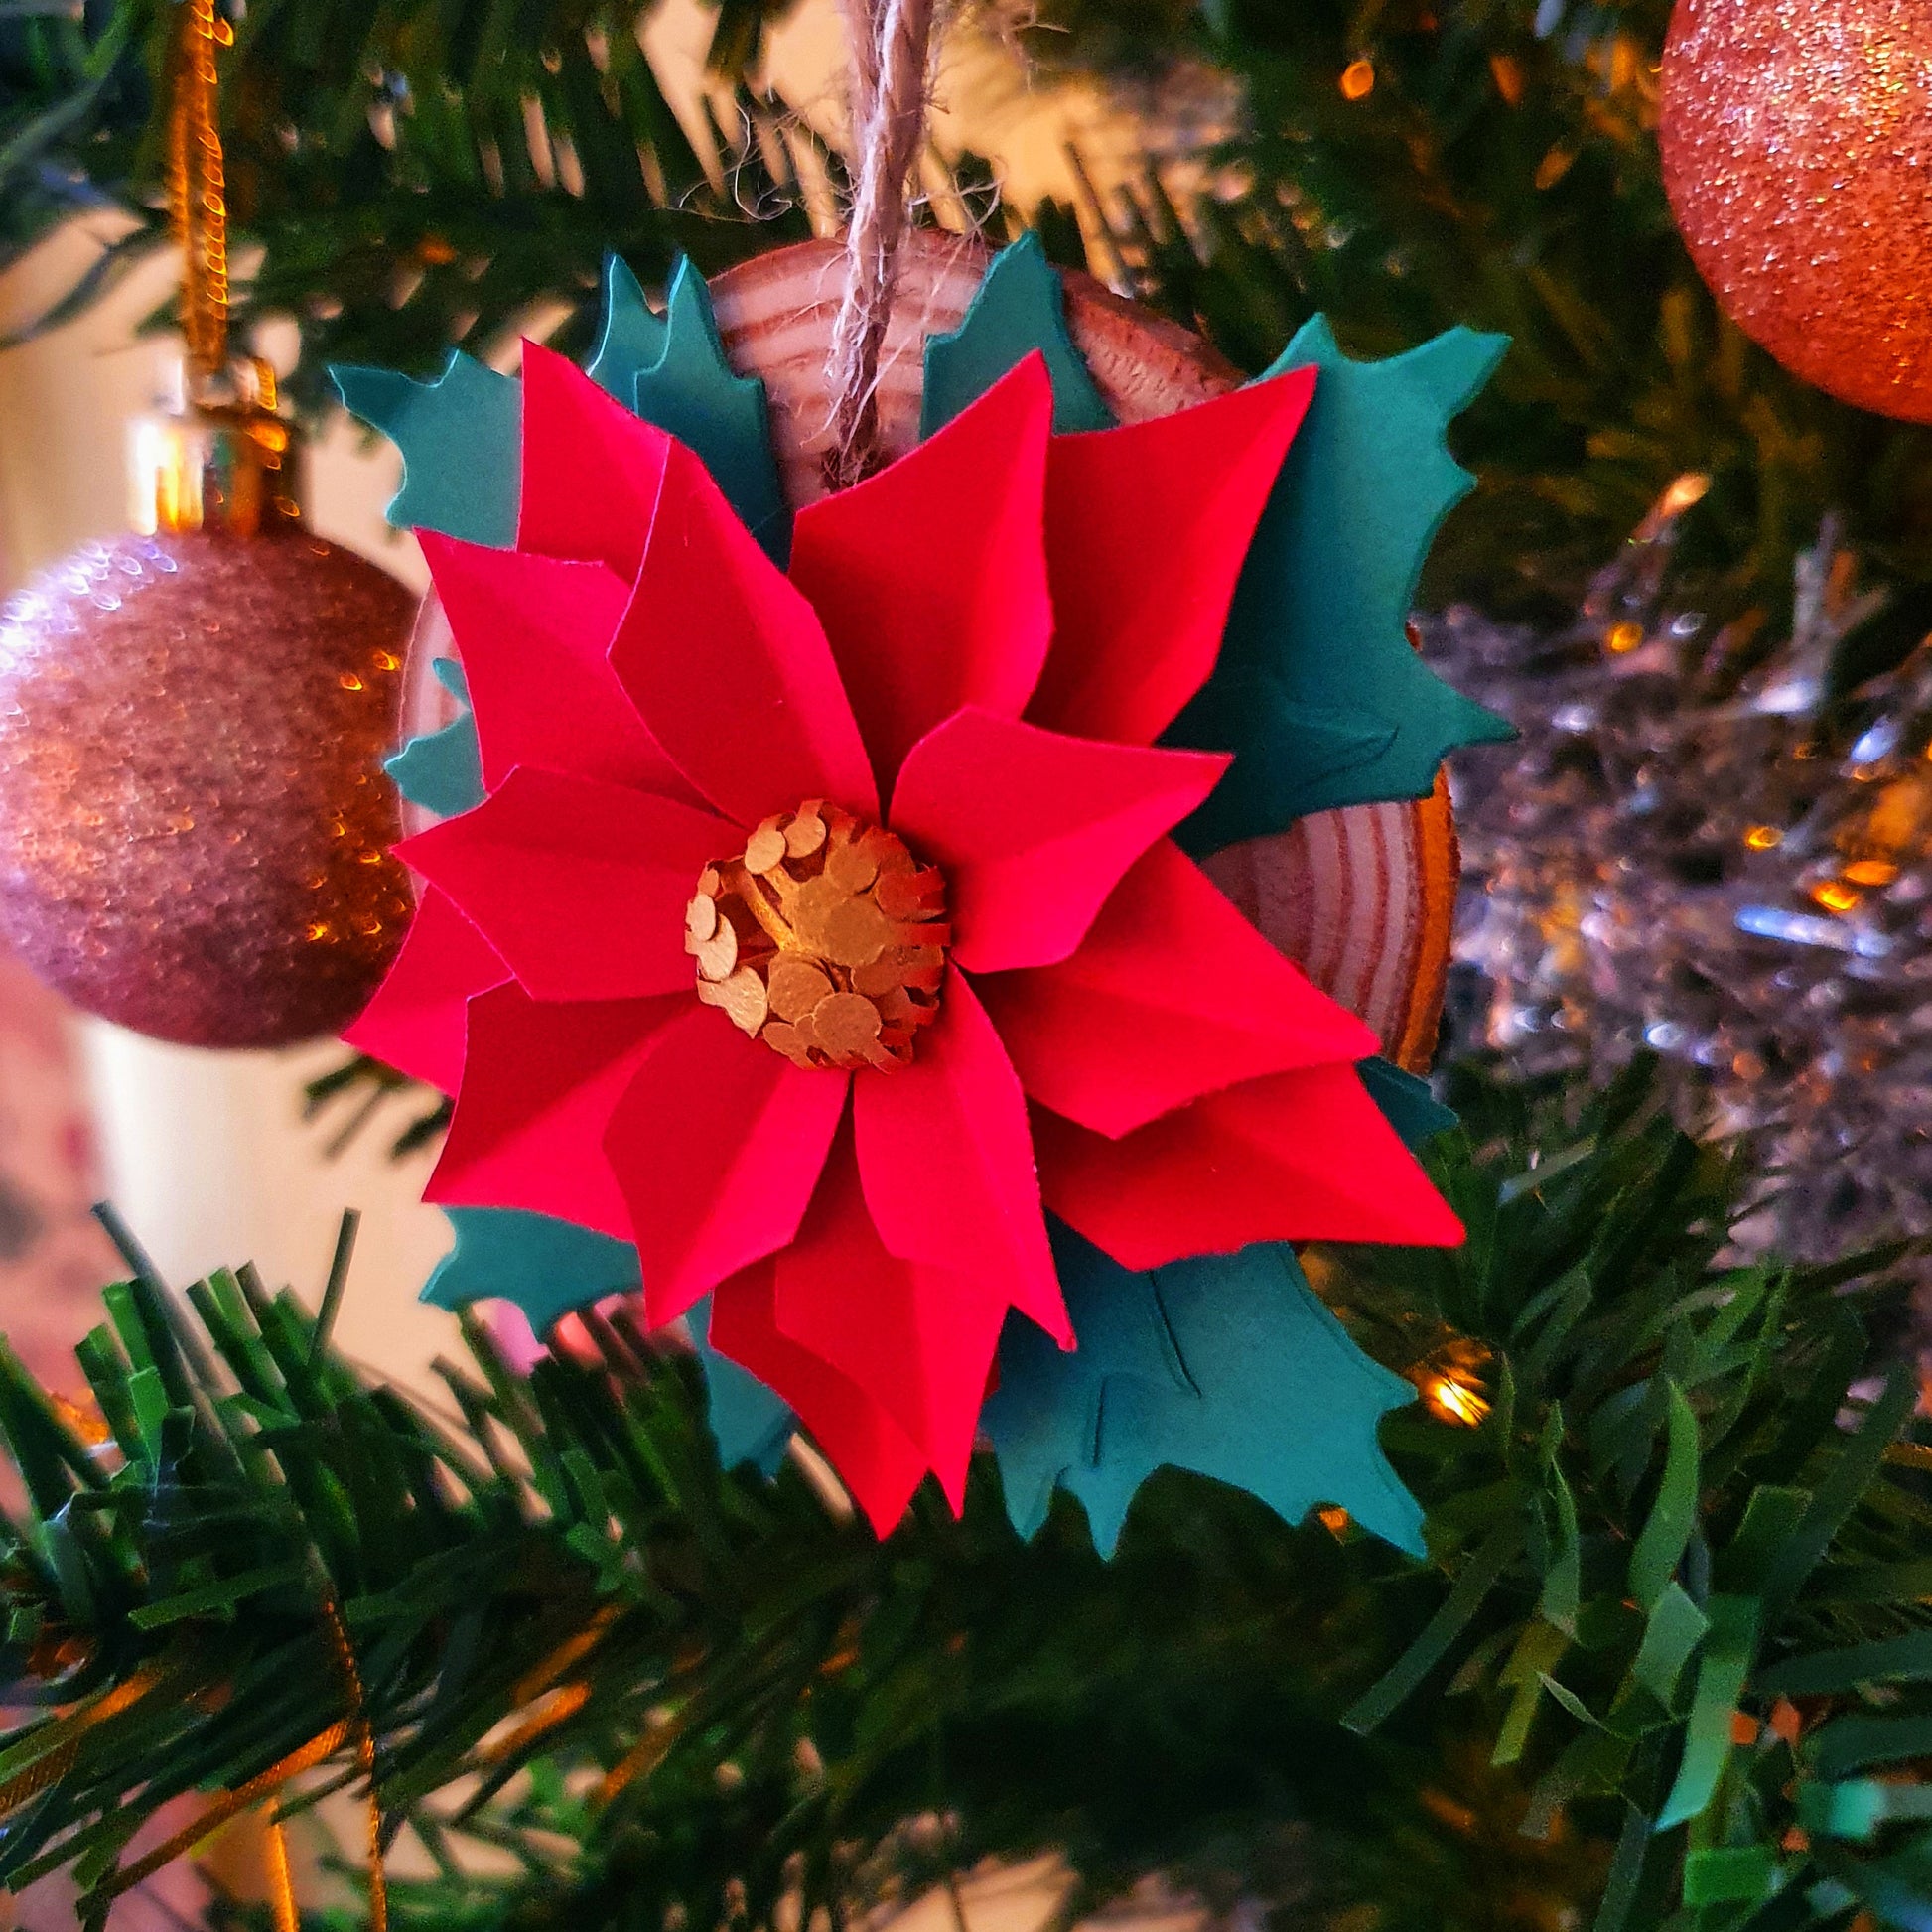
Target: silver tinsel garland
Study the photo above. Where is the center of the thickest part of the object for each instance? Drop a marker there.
(1732, 866)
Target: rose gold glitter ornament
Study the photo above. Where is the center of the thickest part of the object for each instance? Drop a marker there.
(193, 820)
(1797, 149)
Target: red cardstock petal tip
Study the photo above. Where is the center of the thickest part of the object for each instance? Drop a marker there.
(729, 666)
(417, 1020)
(591, 469)
(717, 1145)
(930, 578)
(874, 1456)
(1173, 995)
(1035, 829)
(535, 635)
(1296, 1156)
(1146, 530)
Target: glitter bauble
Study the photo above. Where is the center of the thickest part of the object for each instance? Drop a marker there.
(1797, 147)
(195, 825)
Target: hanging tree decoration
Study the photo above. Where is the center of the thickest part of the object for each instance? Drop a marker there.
(191, 716)
(815, 948)
(1795, 144)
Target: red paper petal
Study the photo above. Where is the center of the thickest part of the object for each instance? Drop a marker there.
(930, 579)
(1035, 829)
(919, 1341)
(579, 886)
(535, 641)
(1172, 995)
(947, 1162)
(1296, 1156)
(729, 666)
(593, 470)
(415, 1023)
(539, 1084)
(1147, 530)
(718, 1146)
(869, 1449)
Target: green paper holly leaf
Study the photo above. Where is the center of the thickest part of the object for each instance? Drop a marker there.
(631, 338)
(1228, 1365)
(546, 1267)
(442, 771)
(748, 1422)
(461, 438)
(1405, 1101)
(1318, 691)
(694, 393)
(1020, 307)
(550, 1268)
(460, 435)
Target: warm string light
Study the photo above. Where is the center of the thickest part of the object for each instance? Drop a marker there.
(1452, 1382)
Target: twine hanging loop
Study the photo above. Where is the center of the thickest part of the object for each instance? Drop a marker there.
(891, 44)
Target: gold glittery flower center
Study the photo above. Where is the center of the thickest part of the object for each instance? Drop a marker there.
(825, 938)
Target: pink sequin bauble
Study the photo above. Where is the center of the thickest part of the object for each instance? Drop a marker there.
(195, 825)
(1797, 150)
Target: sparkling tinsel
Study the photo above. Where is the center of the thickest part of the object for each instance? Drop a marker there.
(1701, 843)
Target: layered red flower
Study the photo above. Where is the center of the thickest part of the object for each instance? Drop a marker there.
(975, 649)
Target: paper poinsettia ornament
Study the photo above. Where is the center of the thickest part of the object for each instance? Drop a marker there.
(822, 947)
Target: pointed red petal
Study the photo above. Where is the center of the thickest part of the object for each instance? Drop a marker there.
(535, 635)
(869, 1449)
(1035, 829)
(539, 1083)
(415, 1023)
(919, 1341)
(1296, 1156)
(717, 1145)
(1172, 995)
(947, 1162)
(579, 886)
(591, 469)
(1147, 530)
(930, 579)
(729, 666)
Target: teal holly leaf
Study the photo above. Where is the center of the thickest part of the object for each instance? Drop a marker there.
(1020, 307)
(694, 393)
(460, 435)
(549, 1268)
(1228, 1365)
(748, 1421)
(1406, 1102)
(442, 771)
(632, 336)
(461, 438)
(545, 1266)
(1318, 692)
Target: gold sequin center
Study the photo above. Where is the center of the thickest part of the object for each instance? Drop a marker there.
(825, 938)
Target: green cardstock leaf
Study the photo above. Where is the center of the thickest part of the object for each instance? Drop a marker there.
(1021, 307)
(1405, 1101)
(461, 438)
(1316, 637)
(545, 1266)
(748, 1422)
(1228, 1365)
(633, 338)
(692, 391)
(548, 1268)
(442, 771)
